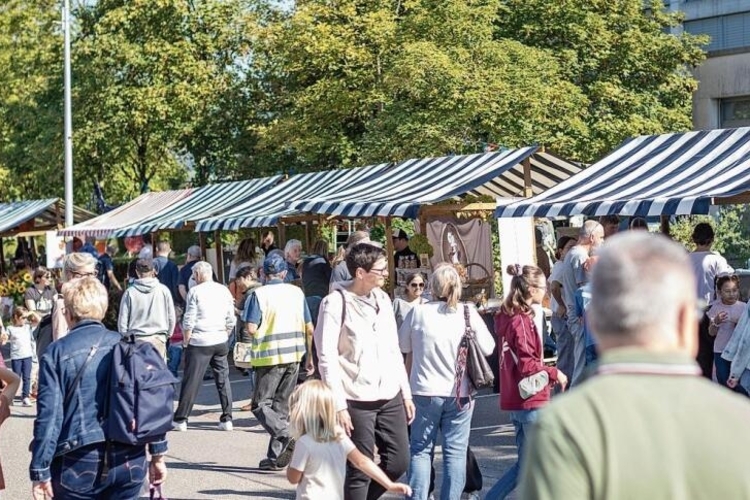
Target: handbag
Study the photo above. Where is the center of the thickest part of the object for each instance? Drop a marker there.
(243, 355)
(533, 384)
(471, 362)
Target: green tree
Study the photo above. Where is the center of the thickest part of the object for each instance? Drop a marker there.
(632, 70)
(358, 81)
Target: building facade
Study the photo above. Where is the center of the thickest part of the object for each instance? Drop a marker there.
(723, 96)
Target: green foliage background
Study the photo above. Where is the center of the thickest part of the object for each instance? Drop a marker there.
(732, 229)
(174, 92)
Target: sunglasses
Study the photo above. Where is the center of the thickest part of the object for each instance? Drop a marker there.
(416, 285)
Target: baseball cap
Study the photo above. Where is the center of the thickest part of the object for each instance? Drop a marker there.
(400, 234)
(274, 264)
(144, 265)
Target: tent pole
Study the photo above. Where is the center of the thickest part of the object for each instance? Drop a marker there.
(391, 261)
(307, 235)
(528, 190)
(282, 234)
(202, 244)
(219, 256)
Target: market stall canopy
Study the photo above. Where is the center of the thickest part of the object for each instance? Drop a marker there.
(668, 174)
(137, 210)
(31, 217)
(404, 187)
(203, 202)
(266, 209)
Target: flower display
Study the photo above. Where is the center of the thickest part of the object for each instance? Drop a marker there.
(15, 286)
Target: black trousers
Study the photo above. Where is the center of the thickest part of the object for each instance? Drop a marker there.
(197, 358)
(270, 405)
(705, 356)
(381, 424)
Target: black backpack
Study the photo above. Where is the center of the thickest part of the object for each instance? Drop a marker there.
(140, 394)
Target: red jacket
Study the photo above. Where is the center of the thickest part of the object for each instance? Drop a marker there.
(520, 334)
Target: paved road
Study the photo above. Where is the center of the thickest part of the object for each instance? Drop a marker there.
(205, 463)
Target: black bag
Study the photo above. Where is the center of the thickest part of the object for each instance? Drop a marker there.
(473, 473)
(140, 393)
(477, 367)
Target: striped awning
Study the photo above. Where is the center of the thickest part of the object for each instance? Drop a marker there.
(404, 187)
(45, 215)
(266, 208)
(668, 174)
(202, 203)
(135, 211)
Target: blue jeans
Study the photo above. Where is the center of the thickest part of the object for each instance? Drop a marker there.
(79, 475)
(523, 422)
(439, 414)
(22, 368)
(174, 356)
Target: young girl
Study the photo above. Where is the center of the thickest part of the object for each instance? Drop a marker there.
(21, 348)
(724, 315)
(318, 466)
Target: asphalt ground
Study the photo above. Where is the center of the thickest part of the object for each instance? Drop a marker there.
(206, 463)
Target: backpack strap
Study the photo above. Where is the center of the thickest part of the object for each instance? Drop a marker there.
(77, 380)
(463, 350)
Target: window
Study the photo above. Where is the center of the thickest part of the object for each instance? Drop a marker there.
(735, 112)
(726, 32)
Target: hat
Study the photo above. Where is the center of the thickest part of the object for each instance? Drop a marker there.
(274, 264)
(400, 234)
(144, 265)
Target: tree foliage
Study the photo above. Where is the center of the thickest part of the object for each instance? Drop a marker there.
(167, 92)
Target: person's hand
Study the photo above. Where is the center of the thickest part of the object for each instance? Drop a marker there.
(721, 317)
(400, 488)
(732, 382)
(410, 410)
(42, 490)
(157, 470)
(562, 379)
(561, 311)
(345, 421)
(309, 367)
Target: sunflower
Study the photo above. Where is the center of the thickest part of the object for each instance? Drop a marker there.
(3, 290)
(26, 277)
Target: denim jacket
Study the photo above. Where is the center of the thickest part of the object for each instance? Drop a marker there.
(82, 422)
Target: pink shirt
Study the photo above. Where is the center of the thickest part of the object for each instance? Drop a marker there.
(726, 328)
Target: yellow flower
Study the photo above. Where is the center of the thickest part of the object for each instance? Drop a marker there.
(21, 288)
(3, 291)
(26, 278)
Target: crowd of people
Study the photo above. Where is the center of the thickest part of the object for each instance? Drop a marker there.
(342, 376)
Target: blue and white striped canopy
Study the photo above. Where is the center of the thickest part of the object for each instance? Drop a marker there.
(404, 187)
(202, 203)
(668, 174)
(266, 208)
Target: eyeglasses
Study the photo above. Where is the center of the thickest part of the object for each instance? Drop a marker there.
(382, 270)
(416, 285)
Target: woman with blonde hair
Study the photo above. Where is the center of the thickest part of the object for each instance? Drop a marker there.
(521, 363)
(431, 335)
(318, 466)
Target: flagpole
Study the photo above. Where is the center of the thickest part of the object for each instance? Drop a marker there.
(68, 119)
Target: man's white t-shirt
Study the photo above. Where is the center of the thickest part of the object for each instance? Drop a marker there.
(323, 466)
(706, 266)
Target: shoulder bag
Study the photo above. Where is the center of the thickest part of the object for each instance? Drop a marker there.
(533, 384)
(471, 361)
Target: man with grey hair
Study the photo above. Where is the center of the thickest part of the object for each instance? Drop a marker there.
(292, 253)
(571, 344)
(192, 257)
(647, 425)
(207, 321)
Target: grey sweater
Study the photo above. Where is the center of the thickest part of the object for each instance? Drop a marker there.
(146, 309)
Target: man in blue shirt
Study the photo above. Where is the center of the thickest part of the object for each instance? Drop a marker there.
(166, 270)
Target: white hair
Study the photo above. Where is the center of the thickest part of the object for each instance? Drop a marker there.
(291, 245)
(203, 269)
(639, 284)
(588, 228)
(445, 283)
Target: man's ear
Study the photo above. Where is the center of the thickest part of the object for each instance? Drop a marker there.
(687, 328)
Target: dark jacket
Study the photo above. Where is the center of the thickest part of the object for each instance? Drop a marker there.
(59, 428)
(316, 276)
(523, 339)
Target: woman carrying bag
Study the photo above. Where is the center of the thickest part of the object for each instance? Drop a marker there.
(525, 381)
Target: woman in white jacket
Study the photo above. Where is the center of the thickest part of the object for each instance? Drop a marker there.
(359, 359)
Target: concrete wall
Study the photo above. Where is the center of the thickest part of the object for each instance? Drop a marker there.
(719, 77)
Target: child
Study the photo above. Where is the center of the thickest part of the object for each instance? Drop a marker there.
(318, 466)
(724, 315)
(174, 349)
(21, 348)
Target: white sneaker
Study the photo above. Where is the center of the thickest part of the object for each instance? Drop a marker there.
(471, 496)
(226, 426)
(26, 402)
(179, 426)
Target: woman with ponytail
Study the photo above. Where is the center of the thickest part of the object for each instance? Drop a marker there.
(521, 362)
